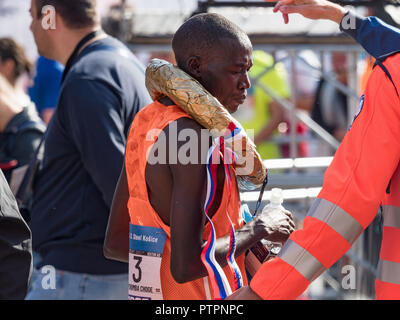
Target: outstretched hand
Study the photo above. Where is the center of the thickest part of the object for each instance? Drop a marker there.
(311, 9)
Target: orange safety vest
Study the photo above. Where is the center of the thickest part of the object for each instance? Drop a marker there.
(364, 174)
(158, 116)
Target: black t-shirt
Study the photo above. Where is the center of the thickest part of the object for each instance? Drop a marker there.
(84, 152)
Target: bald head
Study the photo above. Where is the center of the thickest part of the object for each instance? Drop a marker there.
(202, 33)
(218, 54)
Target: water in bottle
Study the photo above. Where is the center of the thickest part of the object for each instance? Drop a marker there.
(275, 203)
(264, 249)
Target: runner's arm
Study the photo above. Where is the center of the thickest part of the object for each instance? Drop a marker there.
(116, 243)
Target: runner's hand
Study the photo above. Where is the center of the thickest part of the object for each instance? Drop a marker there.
(278, 224)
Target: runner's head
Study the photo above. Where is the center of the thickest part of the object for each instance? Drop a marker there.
(218, 54)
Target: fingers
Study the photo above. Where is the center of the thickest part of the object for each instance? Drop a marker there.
(282, 3)
(285, 234)
(292, 224)
(289, 227)
(285, 18)
(278, 6)
(288, 213)
(290, 219)
(287, 7)
(293, 9)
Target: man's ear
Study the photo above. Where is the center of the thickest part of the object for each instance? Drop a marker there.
(194, 66)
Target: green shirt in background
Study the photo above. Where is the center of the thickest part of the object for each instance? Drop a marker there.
(256, 113)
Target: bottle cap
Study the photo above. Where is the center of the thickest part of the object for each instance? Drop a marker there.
(246, 215)
(276, 196)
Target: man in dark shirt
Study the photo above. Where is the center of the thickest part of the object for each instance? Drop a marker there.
(103, 88)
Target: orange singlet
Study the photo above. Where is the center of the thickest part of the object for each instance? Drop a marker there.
(158, 116)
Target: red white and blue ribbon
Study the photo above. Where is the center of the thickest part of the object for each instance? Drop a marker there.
(219, 282)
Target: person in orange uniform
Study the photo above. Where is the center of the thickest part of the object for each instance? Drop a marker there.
(364, 174)
(165, 200)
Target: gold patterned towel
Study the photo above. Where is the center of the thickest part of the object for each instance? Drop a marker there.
(164, 79)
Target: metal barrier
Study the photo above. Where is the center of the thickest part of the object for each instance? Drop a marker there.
(359, 262)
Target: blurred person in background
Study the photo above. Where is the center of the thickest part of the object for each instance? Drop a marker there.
(102, 90)
(330, 106)
(46, 87)
(302, 78)
(263, 113)
(20, 126)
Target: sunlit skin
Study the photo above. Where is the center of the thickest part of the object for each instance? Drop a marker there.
(223, 71)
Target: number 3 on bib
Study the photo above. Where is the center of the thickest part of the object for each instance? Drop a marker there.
(146, 245)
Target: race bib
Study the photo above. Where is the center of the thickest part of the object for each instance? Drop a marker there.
(146, 245)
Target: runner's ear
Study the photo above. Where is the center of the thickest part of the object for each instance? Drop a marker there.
(193, 66)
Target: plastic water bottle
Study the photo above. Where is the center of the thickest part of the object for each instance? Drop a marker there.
(264, 249)
(275, 203)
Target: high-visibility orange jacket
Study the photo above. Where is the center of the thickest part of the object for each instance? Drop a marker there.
(156, 117)
(364, 174)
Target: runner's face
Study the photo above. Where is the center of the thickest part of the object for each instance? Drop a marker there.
(224, 74)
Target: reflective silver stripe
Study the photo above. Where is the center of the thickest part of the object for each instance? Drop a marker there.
(300, 259)
(338, 219)
(391, 216)
(389, 271)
